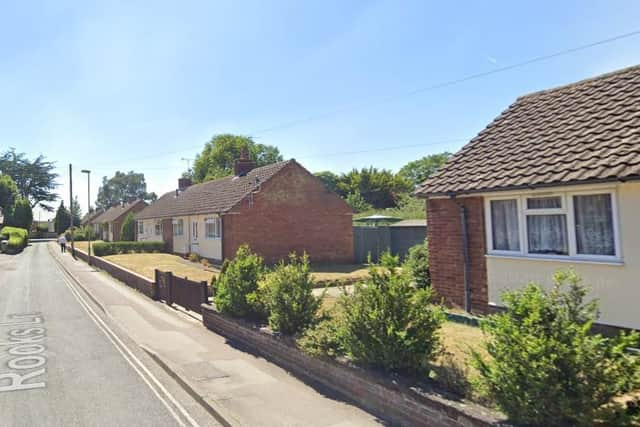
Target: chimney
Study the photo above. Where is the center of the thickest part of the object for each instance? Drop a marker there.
(243, 165)
(184, 183)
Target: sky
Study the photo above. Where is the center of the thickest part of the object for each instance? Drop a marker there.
(140, 85)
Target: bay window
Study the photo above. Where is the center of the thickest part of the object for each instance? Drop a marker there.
(567, 224)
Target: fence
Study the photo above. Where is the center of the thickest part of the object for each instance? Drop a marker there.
(182, 291)
(398, 238)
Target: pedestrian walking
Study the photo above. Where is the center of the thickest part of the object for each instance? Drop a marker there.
(63, 243)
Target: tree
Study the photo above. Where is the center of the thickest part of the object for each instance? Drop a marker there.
(76, 212)
(219, 155)
(8, 193)
(62, 220)
(379, 187)
(20, 215)
(122, 186)
(419, 170)
(128, 229)
(34, 179)
(329, 179)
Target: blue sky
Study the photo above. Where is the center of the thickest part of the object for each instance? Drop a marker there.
(136, 85)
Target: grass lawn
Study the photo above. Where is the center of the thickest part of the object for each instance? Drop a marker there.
(145, 264)
(83, 246)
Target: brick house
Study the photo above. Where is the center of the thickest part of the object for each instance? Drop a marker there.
(551, 183)
(275, 209)
(107, 225)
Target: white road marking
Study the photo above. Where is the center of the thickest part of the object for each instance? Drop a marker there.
(130, 357)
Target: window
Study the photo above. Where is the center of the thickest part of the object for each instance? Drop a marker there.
(140, 227)
(194, 230)
(213, 228)
(158, 227)
(178, 227)
(594, 224)
(504, 217)
(570, 224)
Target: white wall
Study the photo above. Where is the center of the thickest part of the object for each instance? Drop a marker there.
(616, 284)
(149, 231)
(206, 247)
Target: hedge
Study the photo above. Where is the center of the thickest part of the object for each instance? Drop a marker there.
(18, 239)
(114, 248)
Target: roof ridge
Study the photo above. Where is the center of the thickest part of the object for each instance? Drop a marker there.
(580, 82)
(233, 176)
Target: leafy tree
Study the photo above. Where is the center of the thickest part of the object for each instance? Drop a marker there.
(235, 288)
(8, 193)
(417, 264)
(546, 367)
(379, 187)
(128, 229)
(62, 220)
(357, 202)
(417, 171)
(34, 179)
(288, 295)
(122, 186)
(20, 215)
(218, 157)
(329, 179)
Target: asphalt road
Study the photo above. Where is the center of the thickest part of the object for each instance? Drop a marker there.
(61, 362)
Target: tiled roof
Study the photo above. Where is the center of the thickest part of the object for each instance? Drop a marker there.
(215, 196)
(587, 131)
(90, 216)
(115, 212)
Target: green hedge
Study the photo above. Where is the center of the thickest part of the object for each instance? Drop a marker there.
(114, 248)
(18, 239)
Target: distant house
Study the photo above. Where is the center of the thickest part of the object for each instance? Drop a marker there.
(107, 225)
(88, 218)
(551, 183)
(275, 209)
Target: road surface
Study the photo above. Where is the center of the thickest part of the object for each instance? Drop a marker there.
(62, 362)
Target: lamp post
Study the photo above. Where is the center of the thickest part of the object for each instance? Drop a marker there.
(88, 172)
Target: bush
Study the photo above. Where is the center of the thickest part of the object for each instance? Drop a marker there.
(20, 215)
(114, 248)
(546, 367)
(194, 257)
(287, 293)
(417, 264)
(386, 323)
(236, 286)
(18, 238)
(80, 234)
(357, 202)
(128, 228)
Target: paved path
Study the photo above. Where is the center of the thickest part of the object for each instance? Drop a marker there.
(244, 389)
(64, 363)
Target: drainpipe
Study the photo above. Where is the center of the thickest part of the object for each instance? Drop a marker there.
(465, 254)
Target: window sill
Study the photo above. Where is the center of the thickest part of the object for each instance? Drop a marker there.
(567, 259)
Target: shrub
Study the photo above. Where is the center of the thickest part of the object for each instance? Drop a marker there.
(417, 264)
(357, 202)
(386, 323)
(194, 257)
(236, 286)
(546, 367)
(18, 238)
(128, 228)
(287, 293)
(80, 234)
(20, 214)
(114, 248)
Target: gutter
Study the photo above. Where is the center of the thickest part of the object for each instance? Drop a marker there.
(465, 253)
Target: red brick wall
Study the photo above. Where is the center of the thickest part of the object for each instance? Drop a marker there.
(446, 258)
(293, 211)
(117, 224)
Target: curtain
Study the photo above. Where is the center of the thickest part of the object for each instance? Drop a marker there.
(504, 223)
(594, 224)
(547, 234)
(554, 202)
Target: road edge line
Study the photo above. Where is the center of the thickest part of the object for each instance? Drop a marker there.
(215, 412)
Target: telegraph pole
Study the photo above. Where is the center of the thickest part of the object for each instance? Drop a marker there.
(73, 248)
(88, 172)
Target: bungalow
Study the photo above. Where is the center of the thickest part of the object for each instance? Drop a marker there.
(107, 225)
(551, 183)
(275, 209)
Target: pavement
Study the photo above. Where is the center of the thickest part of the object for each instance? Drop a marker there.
(234, 387)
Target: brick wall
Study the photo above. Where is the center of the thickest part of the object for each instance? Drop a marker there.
(392, 401)
(293, 211)
(446, 259)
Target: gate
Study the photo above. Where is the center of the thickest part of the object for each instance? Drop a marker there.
(182, 291)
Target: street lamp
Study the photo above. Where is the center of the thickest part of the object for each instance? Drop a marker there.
(88, 172)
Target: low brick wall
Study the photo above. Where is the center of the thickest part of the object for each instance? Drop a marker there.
(389, 400)
(134, 280)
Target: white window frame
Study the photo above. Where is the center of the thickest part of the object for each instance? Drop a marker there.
(157, 228)
(566, 209)
(217, 228)
(140, 227)
(180, 222)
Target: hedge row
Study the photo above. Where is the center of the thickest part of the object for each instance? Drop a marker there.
(18, 239)
(114, 248)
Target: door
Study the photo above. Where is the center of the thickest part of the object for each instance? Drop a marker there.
(195, 247)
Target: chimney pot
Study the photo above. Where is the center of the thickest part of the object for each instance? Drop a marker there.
(243, 165)
(184, 183)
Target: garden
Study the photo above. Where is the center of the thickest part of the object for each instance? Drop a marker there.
(539, 362)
